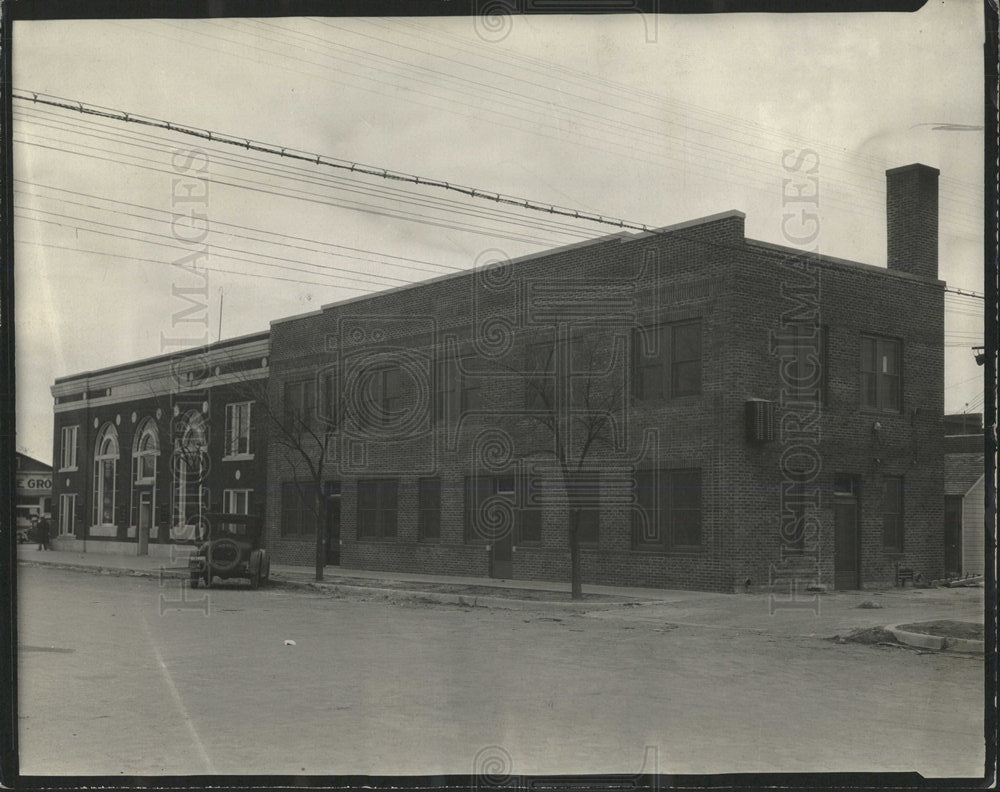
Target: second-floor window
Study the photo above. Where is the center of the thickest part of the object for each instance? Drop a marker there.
(300, 405)
(446, 392)
(238, 428)
(67, 459)
(666, 360)
(881, 373)
(472, 387)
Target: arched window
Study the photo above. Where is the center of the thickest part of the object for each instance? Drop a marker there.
(105, 475)
(145, 450)
(190, 467)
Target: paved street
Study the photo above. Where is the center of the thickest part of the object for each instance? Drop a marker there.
(109, 684)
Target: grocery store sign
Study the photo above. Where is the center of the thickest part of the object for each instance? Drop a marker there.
(34, 483)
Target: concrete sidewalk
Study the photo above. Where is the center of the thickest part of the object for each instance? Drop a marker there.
(809, 615)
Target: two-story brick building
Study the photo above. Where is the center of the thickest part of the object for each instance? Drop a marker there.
(144, 450)
(714, 412)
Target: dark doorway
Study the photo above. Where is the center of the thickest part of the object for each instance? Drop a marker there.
(953, 534)
(332, 494)
(502, 557)
(846, 566)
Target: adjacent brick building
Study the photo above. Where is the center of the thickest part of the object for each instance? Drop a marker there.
(756, 415)
(144, 450)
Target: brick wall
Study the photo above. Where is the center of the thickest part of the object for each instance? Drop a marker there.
(705, 270)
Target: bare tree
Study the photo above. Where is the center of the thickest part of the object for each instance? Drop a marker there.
(301, 423)
(570, 393)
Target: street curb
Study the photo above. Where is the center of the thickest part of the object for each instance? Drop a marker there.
(385, 594)
(936, 643)
(165, 572)
(445, 598)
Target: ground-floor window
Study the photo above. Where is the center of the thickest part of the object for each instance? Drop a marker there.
(498, 506)
(377, 508)
(668, 512)
(236, 501)
(892, 513)
(429, 507)
(67, 513)
(298, 509)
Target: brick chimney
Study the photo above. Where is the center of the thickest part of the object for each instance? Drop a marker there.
(911, 207)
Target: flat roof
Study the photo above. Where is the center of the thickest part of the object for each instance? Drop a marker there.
(195, 350)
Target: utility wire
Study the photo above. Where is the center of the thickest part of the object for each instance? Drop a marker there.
(370, 170)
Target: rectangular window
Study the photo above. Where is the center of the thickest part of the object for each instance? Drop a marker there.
(472, 387)
(236, 501)
(529, 511)
(588, 527)
(385, 391)
(892, 513)
(492, 510)
(446, 393)
(805, 373)
(429, 507)
(67, 514)
(329, 400)
(668, 514)
(881, 373)
(377, 510)
(540, 366)
(685, 359)
(300, 405)
(666, 360)
(238, 429)
(298, 509)
(67, 460)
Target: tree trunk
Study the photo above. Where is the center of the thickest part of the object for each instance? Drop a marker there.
(320, 533)
(576, 585)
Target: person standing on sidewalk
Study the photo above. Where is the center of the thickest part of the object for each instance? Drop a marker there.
(43, 534)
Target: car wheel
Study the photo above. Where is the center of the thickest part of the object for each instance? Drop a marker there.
(194, 580)
(255, 578)
(266, 576)
(207, 577)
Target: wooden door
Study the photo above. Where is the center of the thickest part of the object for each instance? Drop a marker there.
(953, 534)
(846, 566)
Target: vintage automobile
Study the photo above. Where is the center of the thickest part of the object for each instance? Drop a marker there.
(232, 548)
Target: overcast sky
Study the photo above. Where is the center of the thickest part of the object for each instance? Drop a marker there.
(654, 119)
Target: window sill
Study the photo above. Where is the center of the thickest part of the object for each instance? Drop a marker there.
(878, 411)
(238, 458)
(670, 551)
(376, 540)
(69, 470)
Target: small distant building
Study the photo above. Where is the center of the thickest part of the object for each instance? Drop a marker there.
(33, 490)
(964, 494)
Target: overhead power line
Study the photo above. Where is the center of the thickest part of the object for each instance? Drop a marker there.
(371, 170)
(319, 159)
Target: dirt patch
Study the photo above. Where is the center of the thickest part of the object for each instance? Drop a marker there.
(946, 628)
(866, 635)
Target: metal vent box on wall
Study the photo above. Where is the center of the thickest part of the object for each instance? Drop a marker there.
(760, 420)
